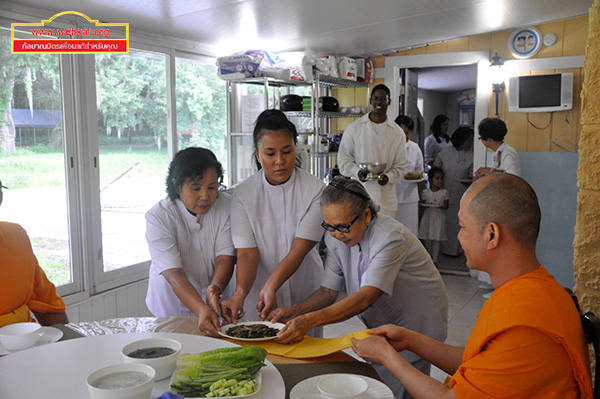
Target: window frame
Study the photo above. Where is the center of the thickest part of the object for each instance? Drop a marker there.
(81, 147)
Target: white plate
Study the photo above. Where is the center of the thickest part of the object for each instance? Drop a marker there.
(415, 180)
(226, 327)
(47, 335)
(257, 376)
(308, 388)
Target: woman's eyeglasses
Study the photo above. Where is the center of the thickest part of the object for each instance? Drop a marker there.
(344, 228)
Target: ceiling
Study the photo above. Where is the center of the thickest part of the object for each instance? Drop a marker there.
(321, 27)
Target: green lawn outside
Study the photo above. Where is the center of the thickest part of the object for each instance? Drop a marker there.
(40, 167)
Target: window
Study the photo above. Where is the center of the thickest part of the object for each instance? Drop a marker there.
(32, 157)
(201, 108)
(133, 159)
(82, 178)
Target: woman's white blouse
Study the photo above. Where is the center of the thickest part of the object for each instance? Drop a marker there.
(408, 191)
(269, 218)
(178, 239)
(390, 258)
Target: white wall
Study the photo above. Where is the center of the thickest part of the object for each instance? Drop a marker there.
(434, 103)
(126, 301)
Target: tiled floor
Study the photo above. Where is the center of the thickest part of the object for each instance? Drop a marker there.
(464, 303)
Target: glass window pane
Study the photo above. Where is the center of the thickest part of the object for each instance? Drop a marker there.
(132, 128)
(201, 109)
(32, 156)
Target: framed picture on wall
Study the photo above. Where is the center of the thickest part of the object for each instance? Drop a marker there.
(466, 116)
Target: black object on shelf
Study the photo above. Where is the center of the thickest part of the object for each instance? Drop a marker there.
(330, 104)
(290, 102)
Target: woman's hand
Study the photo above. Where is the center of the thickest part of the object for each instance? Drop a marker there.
(208, 321)
(281, 315)
(373, 349)
(213, 296)
(266, 303)
(232, 308)
(294, 330)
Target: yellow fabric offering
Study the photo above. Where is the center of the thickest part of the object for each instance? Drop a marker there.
(309, 346)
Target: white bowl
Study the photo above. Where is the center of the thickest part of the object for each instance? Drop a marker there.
(346, 386)
(140, 388)
(19, 336)
(164, 365)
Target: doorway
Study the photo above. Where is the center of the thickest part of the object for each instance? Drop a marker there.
(436, 84)
(430, 91)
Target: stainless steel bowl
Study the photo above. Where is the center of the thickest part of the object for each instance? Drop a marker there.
(374, 168)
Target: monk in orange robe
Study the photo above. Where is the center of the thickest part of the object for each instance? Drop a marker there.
(24, 286)
(528, 341)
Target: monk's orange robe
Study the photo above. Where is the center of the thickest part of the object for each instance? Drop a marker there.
(527, 342)
(23, 284)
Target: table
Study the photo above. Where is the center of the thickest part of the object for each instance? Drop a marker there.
(59, 370)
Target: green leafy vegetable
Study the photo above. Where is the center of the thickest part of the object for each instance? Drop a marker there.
(220, 372)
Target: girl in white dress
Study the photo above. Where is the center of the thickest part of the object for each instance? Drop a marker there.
(189, 238)
(275, 225)
(433, 224)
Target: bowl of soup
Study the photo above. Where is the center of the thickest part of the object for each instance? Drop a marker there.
(158, 353)
(122, 381)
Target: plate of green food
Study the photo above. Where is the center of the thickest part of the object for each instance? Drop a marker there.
(220, 373)
(252, 330)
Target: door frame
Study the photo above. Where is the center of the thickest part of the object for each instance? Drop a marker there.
(393, 65)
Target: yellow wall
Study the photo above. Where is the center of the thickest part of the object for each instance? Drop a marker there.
(572, 36)
(587, 229)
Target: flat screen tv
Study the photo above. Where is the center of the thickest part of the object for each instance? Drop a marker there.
(540, 93)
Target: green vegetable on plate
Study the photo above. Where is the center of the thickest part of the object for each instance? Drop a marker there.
(218, 373)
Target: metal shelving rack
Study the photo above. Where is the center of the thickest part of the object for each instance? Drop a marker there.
(321, 120)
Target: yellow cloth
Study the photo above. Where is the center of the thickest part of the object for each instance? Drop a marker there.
(24, 285)
(309, 346)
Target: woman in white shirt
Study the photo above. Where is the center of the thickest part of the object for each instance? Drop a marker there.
(386, 272)
(407, 191)
(275, 224)
(457, 163)
(438, 138)
(189, 237)
(491, 133)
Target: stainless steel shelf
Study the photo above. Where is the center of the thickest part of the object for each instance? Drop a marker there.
(271, 82)
(340, 82)
(323, 114)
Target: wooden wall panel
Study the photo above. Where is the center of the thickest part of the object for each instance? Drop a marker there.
(458, 45)
(480, 42)
(437, 48)
(420, 50)
(558, 29)
(576, 30)
(499, 44)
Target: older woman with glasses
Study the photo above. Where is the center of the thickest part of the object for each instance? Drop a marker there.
(386, 272)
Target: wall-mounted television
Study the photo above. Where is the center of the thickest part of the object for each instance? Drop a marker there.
(540, 93)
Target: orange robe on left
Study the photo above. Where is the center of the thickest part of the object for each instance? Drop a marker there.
(24, 286)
